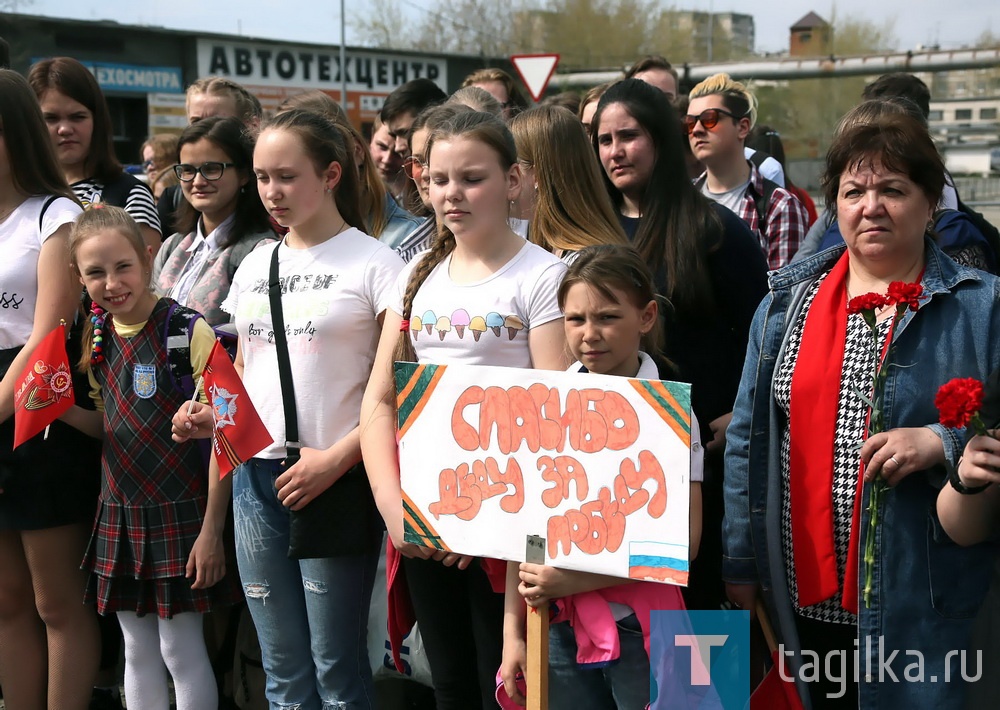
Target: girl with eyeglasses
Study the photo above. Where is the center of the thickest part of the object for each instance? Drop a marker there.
(79, 123)
(708, 267)
(220, 221)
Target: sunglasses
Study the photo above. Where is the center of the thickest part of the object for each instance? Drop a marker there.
(210, 171)
(148, 164)
(709, 118)
(414, 169)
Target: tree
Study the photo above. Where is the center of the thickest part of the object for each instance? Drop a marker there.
(384, 25)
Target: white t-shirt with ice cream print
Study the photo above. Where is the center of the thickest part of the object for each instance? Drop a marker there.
(486, 322)
(332, 296)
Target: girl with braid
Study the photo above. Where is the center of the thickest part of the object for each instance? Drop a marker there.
(490, 299)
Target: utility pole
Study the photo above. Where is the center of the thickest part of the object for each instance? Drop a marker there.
(343, 56)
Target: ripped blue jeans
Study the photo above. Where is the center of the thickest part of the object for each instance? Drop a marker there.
(311, 615)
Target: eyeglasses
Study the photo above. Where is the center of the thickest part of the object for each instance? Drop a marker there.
(148, 164)
(709, 119)
(413, 166)
(209, 171)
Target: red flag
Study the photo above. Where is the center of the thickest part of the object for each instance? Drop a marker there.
(45, 389)
(239, 432)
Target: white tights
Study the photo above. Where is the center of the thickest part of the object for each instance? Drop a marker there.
(155, 646)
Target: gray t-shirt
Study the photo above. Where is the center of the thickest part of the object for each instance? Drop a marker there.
(730, 199)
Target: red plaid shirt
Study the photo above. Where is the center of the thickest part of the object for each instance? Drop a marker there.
(785, 220)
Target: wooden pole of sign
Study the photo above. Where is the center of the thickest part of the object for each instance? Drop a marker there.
(537, 680)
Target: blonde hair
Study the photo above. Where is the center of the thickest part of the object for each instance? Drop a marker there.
(736, 96)
(248, 108)
(473, 125)
(372, 189)
(572, 208)
(164, 147)
(105, 218)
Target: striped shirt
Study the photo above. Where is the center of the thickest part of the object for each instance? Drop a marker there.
(139, 203)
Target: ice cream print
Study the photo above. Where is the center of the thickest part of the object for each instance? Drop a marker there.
(460, 323)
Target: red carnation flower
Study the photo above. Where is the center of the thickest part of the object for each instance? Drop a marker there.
(903, 292)
(959, 401)
(867, 302)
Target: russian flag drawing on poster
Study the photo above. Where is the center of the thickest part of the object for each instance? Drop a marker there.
(659, 561)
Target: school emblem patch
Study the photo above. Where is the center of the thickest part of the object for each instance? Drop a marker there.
(144, 380)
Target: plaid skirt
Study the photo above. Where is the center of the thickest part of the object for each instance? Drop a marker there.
(137, 557)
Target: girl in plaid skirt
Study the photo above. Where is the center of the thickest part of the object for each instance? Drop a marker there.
(156, 549)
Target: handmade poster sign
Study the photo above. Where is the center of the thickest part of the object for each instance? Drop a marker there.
(598, 466)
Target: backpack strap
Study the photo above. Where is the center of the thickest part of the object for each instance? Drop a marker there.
(178, 328)
(760, 202)
(41, 215)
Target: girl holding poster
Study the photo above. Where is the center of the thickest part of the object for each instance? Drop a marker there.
(155, 555)
(611, 319)
(481, 295)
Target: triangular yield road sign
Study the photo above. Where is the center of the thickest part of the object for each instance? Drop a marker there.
(535, 71)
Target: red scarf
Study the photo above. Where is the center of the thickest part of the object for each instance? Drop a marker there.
(813, 406)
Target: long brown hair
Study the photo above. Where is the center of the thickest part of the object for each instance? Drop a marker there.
(324, 142)
(373, 195)
(472, 125)
(70, 78)
(34, 169)
(679, 226)
(572, 208)
(93, 221)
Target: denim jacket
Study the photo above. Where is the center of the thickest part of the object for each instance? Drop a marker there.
(399, 223)
(927, 589)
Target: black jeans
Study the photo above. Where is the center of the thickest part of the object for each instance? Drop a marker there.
(461, 624)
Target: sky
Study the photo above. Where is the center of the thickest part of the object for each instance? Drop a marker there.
(916, 22)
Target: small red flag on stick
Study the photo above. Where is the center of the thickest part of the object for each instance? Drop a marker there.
(239, 432)
(45, 389)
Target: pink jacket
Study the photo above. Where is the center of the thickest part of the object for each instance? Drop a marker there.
(594, 625)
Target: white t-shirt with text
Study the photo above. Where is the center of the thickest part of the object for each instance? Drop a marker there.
(21, 243)
(331, 298)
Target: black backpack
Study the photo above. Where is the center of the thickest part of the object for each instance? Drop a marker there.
(990, 233)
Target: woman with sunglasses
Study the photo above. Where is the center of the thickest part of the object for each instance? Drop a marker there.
(708, 267)
(220, 221)
(79, 122)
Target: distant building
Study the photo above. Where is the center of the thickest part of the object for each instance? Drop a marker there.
(735, 30)
(811, 36)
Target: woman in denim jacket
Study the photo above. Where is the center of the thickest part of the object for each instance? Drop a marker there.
(793, 521)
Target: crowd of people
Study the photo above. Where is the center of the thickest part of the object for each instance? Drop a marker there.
(637, 230)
